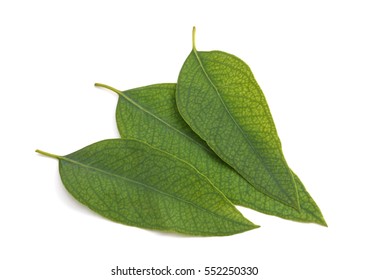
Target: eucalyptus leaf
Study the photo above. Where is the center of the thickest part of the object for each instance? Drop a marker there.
(132, 183)
(150, 114)
(218, 96)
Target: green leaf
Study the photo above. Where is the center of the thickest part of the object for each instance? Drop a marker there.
(132, 183)
(150, 114)
(221, 101)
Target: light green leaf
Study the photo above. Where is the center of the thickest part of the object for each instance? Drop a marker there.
(221, 101)
(132, 183)
(150, 115)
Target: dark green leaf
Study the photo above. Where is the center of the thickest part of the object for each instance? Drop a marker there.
(221, 101)
(130, 182)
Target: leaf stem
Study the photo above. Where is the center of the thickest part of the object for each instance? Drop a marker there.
(108, 87)
(193, 38)
(48, 154)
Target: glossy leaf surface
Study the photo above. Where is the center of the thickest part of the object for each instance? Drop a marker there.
(130, 182)
(150, 115)
(221, 101)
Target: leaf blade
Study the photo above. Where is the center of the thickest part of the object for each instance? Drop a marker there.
(219, 98)
(127, 181)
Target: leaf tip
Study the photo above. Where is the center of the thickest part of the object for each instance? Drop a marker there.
(323, 222)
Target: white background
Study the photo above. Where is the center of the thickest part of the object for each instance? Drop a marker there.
(309, 57)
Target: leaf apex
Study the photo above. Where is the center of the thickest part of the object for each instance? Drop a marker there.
(322, 221)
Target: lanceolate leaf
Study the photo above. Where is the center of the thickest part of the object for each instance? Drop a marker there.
(133, 183)
(150, 115)
(221, 101)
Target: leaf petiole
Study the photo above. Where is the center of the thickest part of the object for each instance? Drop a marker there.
(108, 87)
(48, 154)
(193, 38)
